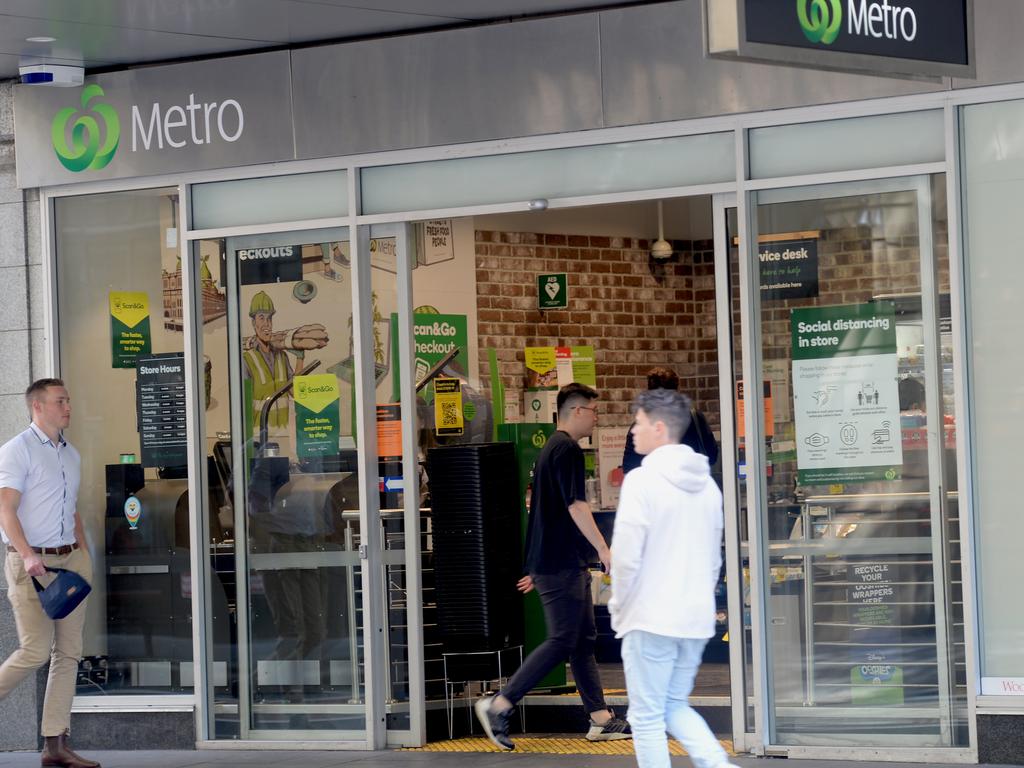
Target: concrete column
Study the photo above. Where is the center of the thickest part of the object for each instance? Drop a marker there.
(20, 359)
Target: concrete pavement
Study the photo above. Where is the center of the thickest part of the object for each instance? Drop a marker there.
(223, 758)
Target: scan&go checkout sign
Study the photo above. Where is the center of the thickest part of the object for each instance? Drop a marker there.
(88, 135)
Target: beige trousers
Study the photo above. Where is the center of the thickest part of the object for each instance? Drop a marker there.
(42, 638)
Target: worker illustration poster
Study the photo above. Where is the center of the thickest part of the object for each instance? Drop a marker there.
(317, 416)
(845, 393)
(129, 327)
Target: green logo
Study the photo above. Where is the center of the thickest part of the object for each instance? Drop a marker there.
(85, 150)
(820, 19)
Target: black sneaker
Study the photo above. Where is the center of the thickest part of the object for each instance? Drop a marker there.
(495, 723)
(616, 728)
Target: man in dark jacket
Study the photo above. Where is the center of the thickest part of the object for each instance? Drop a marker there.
(698, 436)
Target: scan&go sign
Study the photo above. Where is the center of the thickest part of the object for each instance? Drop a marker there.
(155, 120)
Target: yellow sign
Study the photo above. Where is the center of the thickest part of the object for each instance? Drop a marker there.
(448, 406)
(129, 307)
(129, 327)
(316, 392)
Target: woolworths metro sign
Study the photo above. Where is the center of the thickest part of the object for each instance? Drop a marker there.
(892, 37)
(156, 120)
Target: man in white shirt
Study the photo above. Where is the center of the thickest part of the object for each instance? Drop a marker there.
(666, 555)
(39, 477)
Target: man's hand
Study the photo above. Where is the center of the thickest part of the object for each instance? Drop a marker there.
(605, 556)
(525, 584)
(34, 565)
(312, 336)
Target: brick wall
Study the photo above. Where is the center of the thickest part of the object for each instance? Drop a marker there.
(636, 314)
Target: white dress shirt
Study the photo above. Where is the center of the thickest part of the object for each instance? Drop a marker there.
(47, 477)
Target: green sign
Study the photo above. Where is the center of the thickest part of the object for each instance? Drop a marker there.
(434, 336)
(853, 329)
(552, 291)
(876, 685)
(129, 327)
(317, 415)
(94, 133)
(845, 393)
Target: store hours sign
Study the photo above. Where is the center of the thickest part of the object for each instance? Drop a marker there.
(845, 393)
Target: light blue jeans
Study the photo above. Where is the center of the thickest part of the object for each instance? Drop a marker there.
(659, 677)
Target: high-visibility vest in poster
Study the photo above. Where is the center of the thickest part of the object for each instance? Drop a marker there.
(265, 383)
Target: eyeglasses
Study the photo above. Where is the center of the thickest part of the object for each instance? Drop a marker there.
(590, 408)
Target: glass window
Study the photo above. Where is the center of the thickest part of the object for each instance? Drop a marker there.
(555, 173)
(864, 613)
(120, 315)
(993, 195)
(271, 198)
(843, 145)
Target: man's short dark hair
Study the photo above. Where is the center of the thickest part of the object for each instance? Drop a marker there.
(38, 388)
(662, 378)
(572, 395)
(672, 408)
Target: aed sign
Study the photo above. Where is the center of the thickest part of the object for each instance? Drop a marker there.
(891, 37)
(552, 291)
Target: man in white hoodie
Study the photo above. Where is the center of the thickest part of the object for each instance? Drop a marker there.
(667, 554)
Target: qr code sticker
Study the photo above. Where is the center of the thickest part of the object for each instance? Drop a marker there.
(449, 415)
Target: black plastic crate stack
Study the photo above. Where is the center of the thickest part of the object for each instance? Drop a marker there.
(477, 545)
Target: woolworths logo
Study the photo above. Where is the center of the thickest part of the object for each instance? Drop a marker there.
(95, 132)
(820, 19)
(87, 138)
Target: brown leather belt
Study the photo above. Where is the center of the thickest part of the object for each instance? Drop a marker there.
(66, 549)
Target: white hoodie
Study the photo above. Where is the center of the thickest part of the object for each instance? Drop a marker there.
(666, 548)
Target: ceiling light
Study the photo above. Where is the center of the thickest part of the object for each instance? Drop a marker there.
(41, 39)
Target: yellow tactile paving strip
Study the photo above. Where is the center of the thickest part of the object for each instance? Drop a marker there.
(549, 746)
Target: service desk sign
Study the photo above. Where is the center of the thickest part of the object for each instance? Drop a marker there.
(915, 38)
(845, 393)
(317, 417)
(789, 266)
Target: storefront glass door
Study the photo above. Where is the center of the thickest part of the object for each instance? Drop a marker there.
(846, 456)
(312, 627)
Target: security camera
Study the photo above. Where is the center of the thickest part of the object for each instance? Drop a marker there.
(60, 75)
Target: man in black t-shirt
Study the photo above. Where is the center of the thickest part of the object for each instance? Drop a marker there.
(698, 436)
(559, 534)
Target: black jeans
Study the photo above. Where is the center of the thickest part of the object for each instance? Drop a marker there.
(569, 615)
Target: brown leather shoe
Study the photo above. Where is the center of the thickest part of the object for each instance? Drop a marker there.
(58, 754)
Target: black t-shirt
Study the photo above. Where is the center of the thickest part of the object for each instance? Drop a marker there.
(553, 542)
(698, 436)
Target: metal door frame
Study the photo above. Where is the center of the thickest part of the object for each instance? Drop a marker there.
(761, 740)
